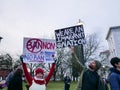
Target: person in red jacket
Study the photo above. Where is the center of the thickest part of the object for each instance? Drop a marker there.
(38, 82)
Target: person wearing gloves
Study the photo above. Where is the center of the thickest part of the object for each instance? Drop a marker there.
(38, 82)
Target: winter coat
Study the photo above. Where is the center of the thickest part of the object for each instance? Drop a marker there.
(89, 80)
(67, 81)
(9, 77)
(31, 79)
(114, 79)
(15, 83)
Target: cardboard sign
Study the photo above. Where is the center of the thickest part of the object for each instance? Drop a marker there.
(70, 36)
(38, 50)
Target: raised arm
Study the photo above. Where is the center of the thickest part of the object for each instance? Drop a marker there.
(75, 60)
(27, 74)
(50, 73)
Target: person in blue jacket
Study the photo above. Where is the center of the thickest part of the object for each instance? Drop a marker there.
(114, 77)
(11, 74)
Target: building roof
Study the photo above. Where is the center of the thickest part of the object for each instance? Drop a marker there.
(104, 52)
(111, 28)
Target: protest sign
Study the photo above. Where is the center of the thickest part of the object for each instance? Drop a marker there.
(70, 36)
(38, 50)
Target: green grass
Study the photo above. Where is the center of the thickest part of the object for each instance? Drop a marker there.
(24, 88)
(57, 85)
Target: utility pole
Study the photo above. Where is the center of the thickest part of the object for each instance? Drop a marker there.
(82, 49)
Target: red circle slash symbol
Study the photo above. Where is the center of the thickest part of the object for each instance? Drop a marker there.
(34, 45)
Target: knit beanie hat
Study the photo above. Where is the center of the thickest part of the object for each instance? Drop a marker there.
(39, 70)
(98, 64)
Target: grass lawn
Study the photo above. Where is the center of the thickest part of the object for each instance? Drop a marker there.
(57, 85)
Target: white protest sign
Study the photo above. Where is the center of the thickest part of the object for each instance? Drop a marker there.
(38, 50)
(70, 36)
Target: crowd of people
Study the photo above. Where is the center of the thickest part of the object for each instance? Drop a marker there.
(88, 79)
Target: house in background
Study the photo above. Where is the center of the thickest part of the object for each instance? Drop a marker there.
(113, 39)
(105, 58)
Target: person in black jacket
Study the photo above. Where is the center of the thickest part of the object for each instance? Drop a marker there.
(16, 82)
(89, 78)
(67, 81)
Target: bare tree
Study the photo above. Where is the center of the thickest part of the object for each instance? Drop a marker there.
(91, 47)
(62, 63)
(6, 61)
(5, 64)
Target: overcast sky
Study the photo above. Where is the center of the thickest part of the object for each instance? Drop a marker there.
(39, 19)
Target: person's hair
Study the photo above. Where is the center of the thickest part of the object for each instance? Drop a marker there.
(114, 61)
(18, 72)
(16, 66)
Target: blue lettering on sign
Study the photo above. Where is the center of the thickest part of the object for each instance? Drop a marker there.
(49, 56)
(34, 57)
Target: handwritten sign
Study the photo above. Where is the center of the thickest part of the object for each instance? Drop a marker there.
(38, 50)
(70, 36)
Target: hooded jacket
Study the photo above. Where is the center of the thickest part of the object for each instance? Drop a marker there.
(114, 79)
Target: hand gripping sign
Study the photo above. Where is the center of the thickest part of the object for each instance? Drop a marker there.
(38, 50)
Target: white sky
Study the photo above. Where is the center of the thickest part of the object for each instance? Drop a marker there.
(39, 18)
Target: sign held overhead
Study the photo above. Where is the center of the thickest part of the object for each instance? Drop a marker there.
(38, 50)
(70, 36)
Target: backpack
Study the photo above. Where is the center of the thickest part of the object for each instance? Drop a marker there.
(104, 84)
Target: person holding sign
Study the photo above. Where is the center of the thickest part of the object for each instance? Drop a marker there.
(89, 78)
(38, 82)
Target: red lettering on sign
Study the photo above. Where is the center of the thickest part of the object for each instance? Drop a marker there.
(48, 45)
(36, 45)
